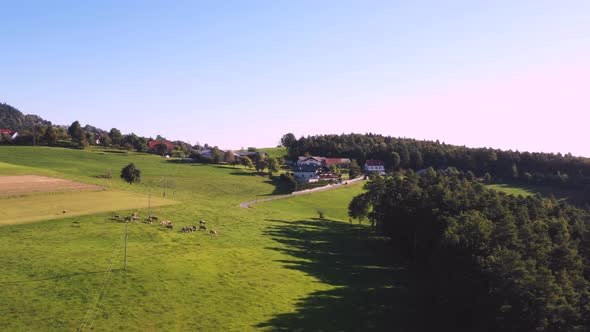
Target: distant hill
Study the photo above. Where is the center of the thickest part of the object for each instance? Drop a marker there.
(13, 119)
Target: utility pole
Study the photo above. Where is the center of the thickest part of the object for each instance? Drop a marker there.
(165, 179)
(125, 260)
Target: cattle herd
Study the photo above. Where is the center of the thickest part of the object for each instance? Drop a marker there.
(168, 224)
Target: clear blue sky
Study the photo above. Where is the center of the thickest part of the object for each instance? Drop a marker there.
(508, 74)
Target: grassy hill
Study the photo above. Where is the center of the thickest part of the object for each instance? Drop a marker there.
(273, 267)
(572, 196)
(279, 152)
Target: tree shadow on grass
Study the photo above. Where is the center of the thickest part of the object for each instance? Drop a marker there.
(374, 290)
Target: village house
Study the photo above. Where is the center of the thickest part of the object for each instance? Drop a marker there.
(153, 143)
(336, 161)
(375, 166)
(306, 173)
(315, 161)
(322, 161)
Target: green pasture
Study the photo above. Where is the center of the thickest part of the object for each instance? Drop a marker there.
(573, 196)
(511, 189)
(274, 267)
(279, 152)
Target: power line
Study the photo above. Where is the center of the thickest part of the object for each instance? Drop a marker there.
(104, 285)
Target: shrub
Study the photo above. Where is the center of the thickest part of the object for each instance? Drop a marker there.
(131, 174)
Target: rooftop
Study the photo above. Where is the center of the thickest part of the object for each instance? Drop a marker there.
(373, 162)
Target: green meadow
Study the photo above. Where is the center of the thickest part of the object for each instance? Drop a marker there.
(573, 196)
(275, 267)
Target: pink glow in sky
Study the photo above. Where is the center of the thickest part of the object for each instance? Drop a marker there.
(542, 109)
(501, 74)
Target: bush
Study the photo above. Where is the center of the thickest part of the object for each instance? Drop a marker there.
(131, 174)
(291, 182)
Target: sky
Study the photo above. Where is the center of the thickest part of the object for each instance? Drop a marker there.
(503, 74)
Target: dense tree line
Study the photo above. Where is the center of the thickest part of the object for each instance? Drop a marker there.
(503, 166)
(488, 261)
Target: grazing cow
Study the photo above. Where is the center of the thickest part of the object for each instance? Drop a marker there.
(118, 217)
(127, 218)
(170, 226)
(188, 229)
(165, 222)
(213, 232)
(201, 227)
(194, 228)
(201, 222)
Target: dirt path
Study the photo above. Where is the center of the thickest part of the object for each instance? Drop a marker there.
(246, 205)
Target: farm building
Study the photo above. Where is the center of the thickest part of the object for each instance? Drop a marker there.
(375, 166)
(307, 173)
(153, 143)
(336, 161)
(315, 161)
(322, 161)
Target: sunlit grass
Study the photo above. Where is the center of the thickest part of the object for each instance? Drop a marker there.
(257, 273)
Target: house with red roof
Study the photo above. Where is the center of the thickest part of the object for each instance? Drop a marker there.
(153, 143)
(336, 161)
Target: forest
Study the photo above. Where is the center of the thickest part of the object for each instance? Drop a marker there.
(486, 261)
(503, 166)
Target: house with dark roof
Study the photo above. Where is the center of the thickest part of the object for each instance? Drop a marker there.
(375, 167)
(306, 173)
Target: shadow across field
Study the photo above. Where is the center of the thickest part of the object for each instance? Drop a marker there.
(373, 290)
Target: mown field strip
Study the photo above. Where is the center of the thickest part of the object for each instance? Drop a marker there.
(18, 210)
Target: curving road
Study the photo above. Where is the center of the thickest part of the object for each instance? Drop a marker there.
(246, 205)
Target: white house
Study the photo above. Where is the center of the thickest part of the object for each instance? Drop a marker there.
(375, 166)
(306, 173)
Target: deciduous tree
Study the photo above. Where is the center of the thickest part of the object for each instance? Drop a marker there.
(131, 174)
